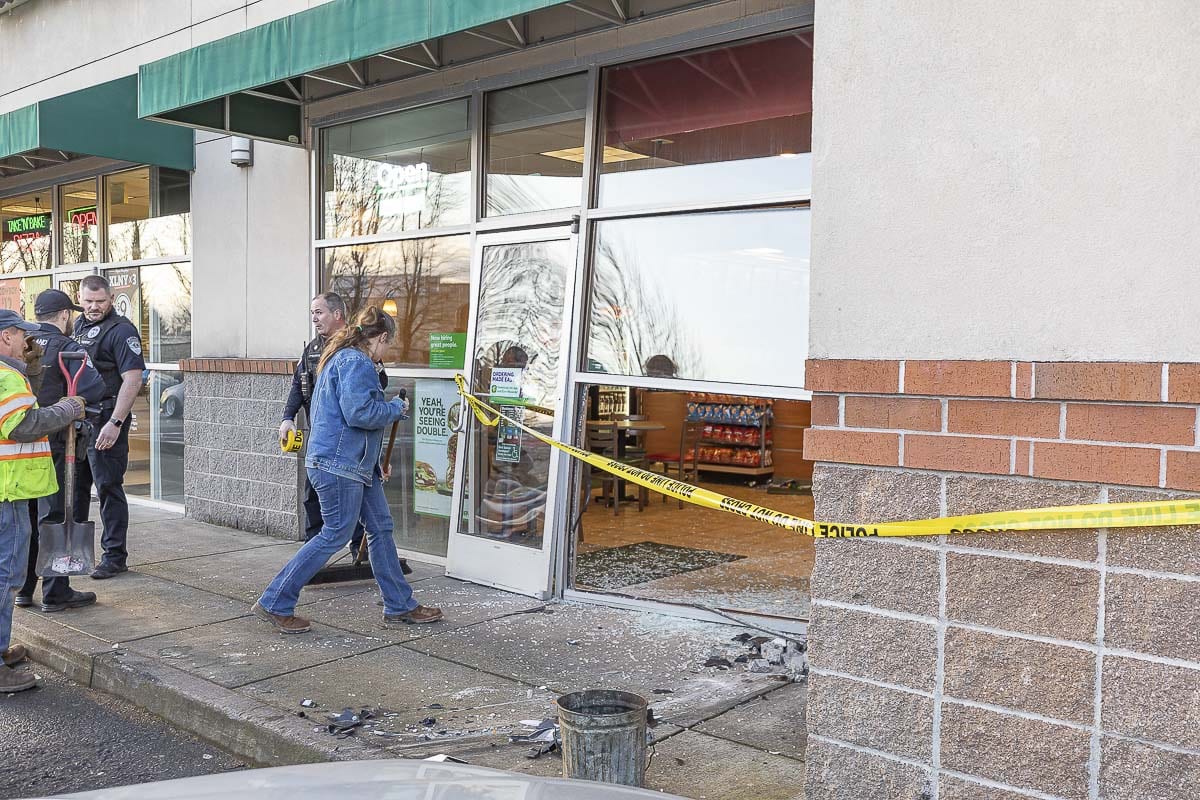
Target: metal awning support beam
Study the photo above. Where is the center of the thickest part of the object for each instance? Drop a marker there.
(47, 159)
(622, 9)
(519, 32)
(408, 62)
(583, 8)
(435, 58)
(276, 98)
(487, 37)
(292, 88)
(358, 76)
(334, 81)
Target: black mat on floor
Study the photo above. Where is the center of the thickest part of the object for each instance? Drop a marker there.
(631, 564)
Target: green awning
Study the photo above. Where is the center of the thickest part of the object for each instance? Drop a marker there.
(98, 121)
(235, 84)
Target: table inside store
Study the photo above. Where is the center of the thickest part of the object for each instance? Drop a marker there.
(623, 428)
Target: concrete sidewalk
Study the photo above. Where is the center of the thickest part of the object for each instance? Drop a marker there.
(175, 636)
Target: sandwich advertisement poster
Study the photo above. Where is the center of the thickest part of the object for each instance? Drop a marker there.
(436, 413)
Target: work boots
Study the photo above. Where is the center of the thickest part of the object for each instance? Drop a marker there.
(421, 615)
(283, 624)
(13, 681)
(72, 599)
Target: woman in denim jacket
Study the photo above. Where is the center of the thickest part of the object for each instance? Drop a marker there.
(349, 416)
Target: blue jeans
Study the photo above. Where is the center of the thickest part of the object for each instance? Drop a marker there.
(14, 553)
(344, 501)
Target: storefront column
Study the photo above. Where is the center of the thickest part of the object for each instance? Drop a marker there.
(251, 292)
(234, 472)
(1053, 662)
(252, 251)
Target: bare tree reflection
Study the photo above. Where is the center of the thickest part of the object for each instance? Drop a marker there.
(352, 209)
(23, 255)
(413, 275)
(166, 311)
(633, 319)
(521, 296)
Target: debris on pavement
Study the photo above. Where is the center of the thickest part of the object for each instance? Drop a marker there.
(764, 655)
(308, 703)
(442, 757)
(773, 650)
(343, 724)
(544, 731)
(544, 737)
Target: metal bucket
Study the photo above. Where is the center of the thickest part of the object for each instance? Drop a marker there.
(603, 736)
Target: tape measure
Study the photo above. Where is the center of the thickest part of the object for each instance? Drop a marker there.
(293, 441)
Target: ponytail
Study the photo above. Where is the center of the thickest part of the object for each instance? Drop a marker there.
(368, 323)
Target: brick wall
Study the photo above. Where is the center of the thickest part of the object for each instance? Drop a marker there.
(234, 473)
(1002, 666)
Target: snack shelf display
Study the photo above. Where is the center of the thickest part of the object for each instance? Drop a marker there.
(737, 434)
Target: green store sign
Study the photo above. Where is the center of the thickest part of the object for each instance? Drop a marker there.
(30, 226)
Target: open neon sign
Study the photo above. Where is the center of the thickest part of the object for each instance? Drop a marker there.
(83, 217)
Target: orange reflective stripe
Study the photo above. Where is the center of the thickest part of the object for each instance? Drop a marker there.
(16, 402)
(26, 455)
(13, 413)
(11, 449)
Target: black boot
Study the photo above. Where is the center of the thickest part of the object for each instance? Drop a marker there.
(73, 599)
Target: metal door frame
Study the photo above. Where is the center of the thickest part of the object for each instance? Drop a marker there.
(465, 552)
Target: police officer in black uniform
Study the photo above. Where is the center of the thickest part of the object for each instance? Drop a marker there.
(115, 348)
(54, 310)
(328, 317)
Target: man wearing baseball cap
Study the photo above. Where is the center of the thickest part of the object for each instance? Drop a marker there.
(26, 473)
(54, 311)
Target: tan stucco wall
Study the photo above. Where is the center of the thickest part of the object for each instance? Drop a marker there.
(1006, 180)
(250, 285)
(51, 47)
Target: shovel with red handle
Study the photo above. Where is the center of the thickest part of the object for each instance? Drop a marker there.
(69, 547)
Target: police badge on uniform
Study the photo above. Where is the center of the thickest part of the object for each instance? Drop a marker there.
(135, 345)
(93, 332)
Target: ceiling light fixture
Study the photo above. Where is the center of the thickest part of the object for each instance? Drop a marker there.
(612, 155)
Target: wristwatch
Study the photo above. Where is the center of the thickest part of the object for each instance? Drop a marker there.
(116, 423)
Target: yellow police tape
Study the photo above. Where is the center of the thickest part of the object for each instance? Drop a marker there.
(1101, 515)
(293, 441)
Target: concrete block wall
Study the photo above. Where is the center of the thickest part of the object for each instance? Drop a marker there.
(234, 473)
(1059, 665)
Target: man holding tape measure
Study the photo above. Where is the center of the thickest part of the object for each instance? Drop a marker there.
(328, 312)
